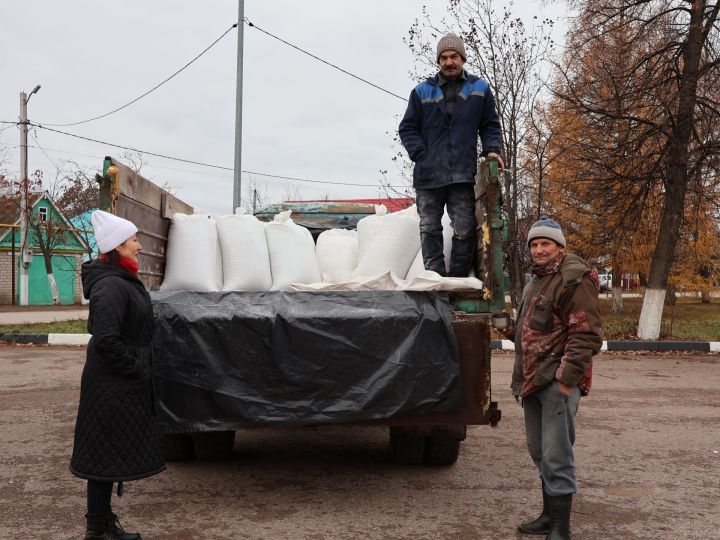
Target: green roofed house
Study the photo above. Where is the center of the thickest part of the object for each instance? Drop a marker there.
(67, 250)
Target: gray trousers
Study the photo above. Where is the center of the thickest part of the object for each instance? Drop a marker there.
(550, 432)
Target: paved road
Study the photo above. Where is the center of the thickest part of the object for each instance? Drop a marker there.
(647, 453)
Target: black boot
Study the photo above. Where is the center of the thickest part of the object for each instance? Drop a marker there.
(107, 527)
(116, 531)
(560, 507)
(541, 525)
(96, 527)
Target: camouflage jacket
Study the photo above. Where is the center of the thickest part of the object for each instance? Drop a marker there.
(558, 328)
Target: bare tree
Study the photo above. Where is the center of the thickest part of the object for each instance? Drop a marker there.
(79, 195)
(256, 196)
(292, 193)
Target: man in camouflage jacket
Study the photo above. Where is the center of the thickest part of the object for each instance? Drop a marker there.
(556, 334)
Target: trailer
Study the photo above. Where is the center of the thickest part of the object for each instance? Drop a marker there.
(417, 363)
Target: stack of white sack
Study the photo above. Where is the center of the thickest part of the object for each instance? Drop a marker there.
(387, 243)
(292, 253)
(245, 257)
(193, 261)
(240, 253)
(337, 254)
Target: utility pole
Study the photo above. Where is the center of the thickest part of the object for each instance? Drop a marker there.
(24, 253)
(238, 108)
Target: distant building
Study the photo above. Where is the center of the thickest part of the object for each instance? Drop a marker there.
(66, 259)
(321, 215)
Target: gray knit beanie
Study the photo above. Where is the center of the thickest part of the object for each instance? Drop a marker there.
(453, 43)
(546, 228)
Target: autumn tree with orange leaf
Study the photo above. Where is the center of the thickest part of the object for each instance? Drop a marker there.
(649, 122)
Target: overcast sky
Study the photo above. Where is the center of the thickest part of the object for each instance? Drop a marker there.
(301, 118)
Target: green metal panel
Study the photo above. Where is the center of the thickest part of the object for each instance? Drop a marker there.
(38, 287)
(494, 281)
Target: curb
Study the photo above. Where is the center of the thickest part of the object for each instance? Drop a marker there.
(504, 345)
(46, 339)
(699, 346)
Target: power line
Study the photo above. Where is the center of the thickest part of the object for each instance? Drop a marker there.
(314, 181)
(130, 148)
(252, 25)
(153, 88)
(44, 152)
(211, 165)
(101, 156)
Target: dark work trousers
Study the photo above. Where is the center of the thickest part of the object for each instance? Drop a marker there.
(99, 494)
(550, 432)
(460, 201)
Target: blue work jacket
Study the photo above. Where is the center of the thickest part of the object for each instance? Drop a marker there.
(444, 149)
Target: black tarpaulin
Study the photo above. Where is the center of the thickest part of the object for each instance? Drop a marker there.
(228, 360)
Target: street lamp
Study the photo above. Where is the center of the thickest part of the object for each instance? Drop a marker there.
(24, 254)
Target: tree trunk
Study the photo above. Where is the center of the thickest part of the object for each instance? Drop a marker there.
(516, 276)
(513, 243)
(676, 179)
(616, 288)
(617, 297)
(671, 295)
(51, 279)
(705, 296)
(651, 314)
(53, 289)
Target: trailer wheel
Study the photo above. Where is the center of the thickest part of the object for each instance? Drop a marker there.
(213, 445)
(441, 451)
(406, 448)
(176, 447)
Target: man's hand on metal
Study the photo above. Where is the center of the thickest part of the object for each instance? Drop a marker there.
(495, 155)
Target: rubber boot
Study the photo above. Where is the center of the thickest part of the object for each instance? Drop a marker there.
(560, 507)
(541, 525)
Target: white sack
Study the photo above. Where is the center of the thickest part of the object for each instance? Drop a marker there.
(292, 253)
(368, 227)
(337, 254)
(191, 262)
(245, 258)
(418, 266)
(394, 245)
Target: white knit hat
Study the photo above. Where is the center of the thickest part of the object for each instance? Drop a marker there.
(111, 230)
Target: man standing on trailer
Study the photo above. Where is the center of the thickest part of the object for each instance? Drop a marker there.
(440, 129)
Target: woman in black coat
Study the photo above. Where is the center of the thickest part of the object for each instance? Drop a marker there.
(116, 436)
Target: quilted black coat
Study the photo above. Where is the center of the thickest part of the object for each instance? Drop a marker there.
(116, 435)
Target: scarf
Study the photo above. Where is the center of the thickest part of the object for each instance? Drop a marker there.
(124, 263)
